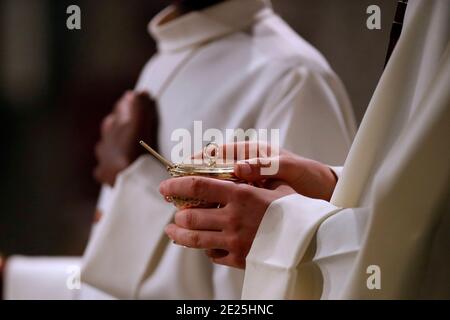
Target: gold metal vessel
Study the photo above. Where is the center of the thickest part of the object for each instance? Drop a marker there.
(208, 169)
(222, 172)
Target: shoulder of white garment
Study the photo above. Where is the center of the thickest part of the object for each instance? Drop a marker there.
(276, 49)
(269, 35)
(277, 40)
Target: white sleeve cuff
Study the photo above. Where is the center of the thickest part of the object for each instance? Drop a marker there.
(281, 242)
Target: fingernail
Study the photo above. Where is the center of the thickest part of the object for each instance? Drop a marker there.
(166, 230)
(161, 187)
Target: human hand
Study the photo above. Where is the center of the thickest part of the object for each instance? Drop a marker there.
(307, 177)
(134, 118)
(227, 232)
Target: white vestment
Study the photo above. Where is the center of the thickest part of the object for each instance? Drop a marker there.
(233, 65)
(385, 233)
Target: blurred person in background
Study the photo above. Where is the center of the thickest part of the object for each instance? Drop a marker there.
(231, 64)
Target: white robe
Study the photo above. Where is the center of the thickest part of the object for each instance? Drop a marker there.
(391, 207)
(233, 65)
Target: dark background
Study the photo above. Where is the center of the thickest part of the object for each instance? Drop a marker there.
(56, 85)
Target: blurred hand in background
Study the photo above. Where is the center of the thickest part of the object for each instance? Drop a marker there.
(133, 118)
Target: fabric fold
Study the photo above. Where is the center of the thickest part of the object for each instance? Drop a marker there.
(282, 240)
(119, 252)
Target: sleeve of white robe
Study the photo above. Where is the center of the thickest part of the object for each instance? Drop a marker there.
(406, 209)
(411, 207)
(282, 240)
(126, 239)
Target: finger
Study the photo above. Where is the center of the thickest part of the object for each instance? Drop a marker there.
(124, 108)
(240, 151)
(196, 239)
(244, 150)
(248, 149)
(127, 95)
(211, 190)
(128, 103)
(251, 169)
(283, 168)
(201, 219)
(107, 124)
